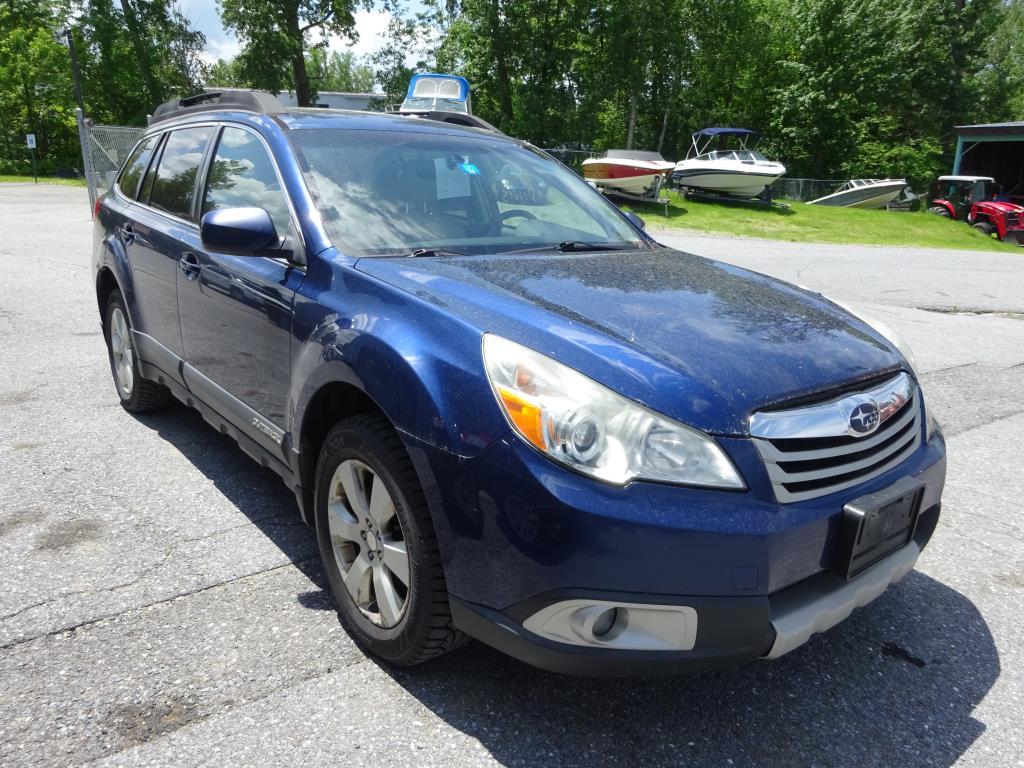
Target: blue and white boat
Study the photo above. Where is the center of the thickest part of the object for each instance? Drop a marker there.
(736, 172)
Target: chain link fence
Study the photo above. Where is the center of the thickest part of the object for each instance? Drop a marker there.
(104, 150)
(800, 190)
(803, 190)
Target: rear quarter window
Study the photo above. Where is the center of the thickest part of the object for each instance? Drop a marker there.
(175, 183)
(128, 181)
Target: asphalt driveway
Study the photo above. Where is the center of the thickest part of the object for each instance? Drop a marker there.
(164, 605)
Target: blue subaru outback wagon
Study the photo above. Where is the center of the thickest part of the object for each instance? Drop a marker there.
(517, 418)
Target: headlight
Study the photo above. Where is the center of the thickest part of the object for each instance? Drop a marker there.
(586, 426)
(905, 350)
(930, 424)
(890, 335)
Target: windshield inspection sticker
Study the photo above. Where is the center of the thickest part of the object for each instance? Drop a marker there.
(452, 178)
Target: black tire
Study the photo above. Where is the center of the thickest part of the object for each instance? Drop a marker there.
(425, 629)
(986, 228)
(143, 395)
(938, 210)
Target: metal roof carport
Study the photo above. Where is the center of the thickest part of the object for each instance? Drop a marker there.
(996, 150)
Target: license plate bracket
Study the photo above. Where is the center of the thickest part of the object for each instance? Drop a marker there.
(874, 526)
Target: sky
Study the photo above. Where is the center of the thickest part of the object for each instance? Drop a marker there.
(371, 26)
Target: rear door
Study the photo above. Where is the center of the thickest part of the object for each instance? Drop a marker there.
(160, 221)
(236, 311)
(132, 231)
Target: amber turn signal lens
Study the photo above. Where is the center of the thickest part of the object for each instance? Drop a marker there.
(525, 414)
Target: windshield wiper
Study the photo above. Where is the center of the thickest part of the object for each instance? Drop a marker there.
(578, 245)
(568, 246)
(435, 252)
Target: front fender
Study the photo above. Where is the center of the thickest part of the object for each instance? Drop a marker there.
(420, 366)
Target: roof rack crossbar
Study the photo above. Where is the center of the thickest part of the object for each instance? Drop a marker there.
(211, 101)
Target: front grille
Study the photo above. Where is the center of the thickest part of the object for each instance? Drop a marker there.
(809, 452)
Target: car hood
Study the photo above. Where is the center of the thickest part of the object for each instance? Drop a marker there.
(702, 341)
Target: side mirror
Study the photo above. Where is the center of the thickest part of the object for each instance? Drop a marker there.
(239, 231)
(636, 221)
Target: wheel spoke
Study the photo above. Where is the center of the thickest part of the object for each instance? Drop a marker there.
(389, 604)
(382, 508)
(396, 560)
(119, 324)
(125, 374)
(341, 526)
(357, 580)
(116, 343)
(352, 483)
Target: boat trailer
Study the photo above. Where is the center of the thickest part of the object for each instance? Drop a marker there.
(764, 199)
(652, 195)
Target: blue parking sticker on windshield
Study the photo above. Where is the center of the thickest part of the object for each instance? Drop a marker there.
(471, 169)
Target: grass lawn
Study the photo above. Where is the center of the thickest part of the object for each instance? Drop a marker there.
(42, 180)
(819, 224)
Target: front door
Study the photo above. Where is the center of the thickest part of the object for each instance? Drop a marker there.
(236, 311)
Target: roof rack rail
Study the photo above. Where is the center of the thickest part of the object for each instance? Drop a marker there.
(454, 118)
(212, 101)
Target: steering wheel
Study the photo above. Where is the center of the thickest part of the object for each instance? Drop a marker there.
(493, 225)
(513, 213)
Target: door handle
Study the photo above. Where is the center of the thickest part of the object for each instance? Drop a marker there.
(189, 264)
(127, 233)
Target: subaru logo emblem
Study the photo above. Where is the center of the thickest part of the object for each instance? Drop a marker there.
(864, 419)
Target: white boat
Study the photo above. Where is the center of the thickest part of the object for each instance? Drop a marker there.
(741, 172)
(625, 170)
(864, 193)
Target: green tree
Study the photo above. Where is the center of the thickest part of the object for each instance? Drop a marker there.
(276, 36)
(225, 73)
(998, 85)
(333, 71)
(117, 88)
(35, 89)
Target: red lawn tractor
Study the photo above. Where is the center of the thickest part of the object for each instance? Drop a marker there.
(978, 200)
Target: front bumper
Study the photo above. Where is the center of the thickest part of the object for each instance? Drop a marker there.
(755, 576)
(728, 631)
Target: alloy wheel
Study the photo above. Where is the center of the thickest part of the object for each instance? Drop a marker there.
(124, 355)
(368, 543)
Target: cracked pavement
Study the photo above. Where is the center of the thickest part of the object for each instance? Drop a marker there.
(163, 604)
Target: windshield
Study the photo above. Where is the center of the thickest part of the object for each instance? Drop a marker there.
(743, 155)
(385, 193)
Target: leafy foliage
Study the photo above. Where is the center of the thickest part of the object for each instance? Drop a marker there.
(36, 94)
(276, 35)
(333, 71)
(841, 87)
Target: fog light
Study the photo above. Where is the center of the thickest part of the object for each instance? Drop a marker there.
(604, 622)
(623, 626)
(598, 623)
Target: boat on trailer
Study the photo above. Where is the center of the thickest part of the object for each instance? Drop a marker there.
(741, 172)
(864, 193)
(633, 172)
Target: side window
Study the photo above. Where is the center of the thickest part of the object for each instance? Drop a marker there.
(147, 183)
(242, 175)
(174, 186)
(128, 182)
